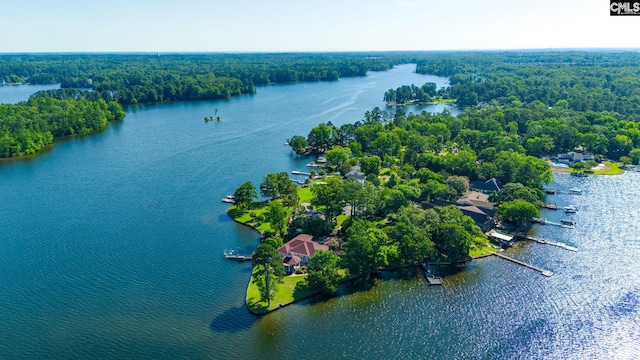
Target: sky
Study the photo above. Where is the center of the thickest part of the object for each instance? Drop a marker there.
(305, 25)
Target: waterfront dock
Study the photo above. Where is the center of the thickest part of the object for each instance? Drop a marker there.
(548, 242)
(430, 276)
(544, 272)
(296, 172)
(567, 224)
(231, 255)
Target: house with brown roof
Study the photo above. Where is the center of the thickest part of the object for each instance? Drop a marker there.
(299, 250)
(473, 204)
(475, 198)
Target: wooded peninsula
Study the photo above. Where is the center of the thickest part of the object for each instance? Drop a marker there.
(397, 189)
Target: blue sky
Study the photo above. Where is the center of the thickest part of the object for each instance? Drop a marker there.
(302, 25)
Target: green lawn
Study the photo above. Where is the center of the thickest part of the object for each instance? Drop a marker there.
(250, 216)
(305, 194)
(484, 250)
(287, 292)
(481, 247)
(340, 219)
(609, 168)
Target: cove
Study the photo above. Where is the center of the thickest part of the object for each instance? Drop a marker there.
(111, 244)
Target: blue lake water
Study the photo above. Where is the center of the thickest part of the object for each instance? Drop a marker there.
(11, 94)
(111, 247)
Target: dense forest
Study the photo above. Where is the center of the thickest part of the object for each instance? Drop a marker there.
(27, 127)
(545, 102)
(145, 78)
(95, 86)
(552, 101)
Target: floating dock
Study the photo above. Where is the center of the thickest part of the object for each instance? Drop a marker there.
(296, 172)
(544, 272)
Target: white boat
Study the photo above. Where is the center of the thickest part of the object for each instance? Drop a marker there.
(567, 222)
(575, 191)
(229, 199)
(570, 209)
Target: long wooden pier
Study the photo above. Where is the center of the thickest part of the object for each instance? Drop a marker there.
(548, 242)
(544, 272)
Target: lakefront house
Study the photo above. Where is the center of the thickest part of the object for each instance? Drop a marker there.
(298, 251)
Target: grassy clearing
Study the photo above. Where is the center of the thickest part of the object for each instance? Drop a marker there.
(290, 290)
(481, 247)
(480, 251)
(609, 168)
(340, 219)
(305, 194)
(254, 216)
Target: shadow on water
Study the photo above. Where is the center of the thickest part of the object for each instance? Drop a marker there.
(360, 285)
(233, 320)
(510, 344)
(627, 305)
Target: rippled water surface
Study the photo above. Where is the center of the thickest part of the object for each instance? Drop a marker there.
(111, 247)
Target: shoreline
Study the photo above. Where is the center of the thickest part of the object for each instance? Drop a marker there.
(604, 168)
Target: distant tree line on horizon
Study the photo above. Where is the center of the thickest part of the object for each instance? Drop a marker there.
(146, 78)
(95, 86)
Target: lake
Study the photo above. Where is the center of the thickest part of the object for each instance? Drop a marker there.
(11, 94)
(111, 247)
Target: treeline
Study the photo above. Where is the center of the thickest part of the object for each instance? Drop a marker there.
(582, 81)
(94, 86)
(411, 93)
(555, 102)
(27, 127)
(411, 144)
(145, 78)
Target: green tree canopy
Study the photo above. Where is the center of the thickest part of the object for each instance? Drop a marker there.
(518, 212)
(363, 249)
(298, 144)
(276, 215)
(268, 270)
(245, 195)
(323, 272)
(280, 186)
(337, 155)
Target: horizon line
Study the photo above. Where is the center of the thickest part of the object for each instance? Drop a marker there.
(185, 52)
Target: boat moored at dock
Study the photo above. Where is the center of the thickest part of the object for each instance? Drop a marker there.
(574, 191)
(570, 209)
